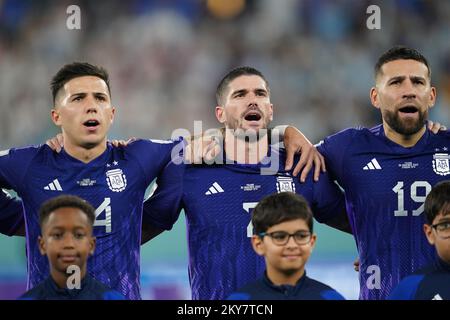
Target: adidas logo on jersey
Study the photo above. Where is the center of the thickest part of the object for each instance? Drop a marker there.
(53, 186)
(372, 165)
(437, 297)
(215, 188)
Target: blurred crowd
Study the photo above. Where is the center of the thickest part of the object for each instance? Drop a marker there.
(165, 58)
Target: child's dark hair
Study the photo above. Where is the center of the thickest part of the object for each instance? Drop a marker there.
(438, 201)
(278, 208)
(66, 201)
(75, 70)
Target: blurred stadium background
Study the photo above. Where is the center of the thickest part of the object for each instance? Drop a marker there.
(165, 58)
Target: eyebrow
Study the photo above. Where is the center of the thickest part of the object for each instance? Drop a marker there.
(299, 230)
(237, 92)
(401, 78)
(84, 94)
(240, 91)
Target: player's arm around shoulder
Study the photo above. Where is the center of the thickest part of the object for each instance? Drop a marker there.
(154, 155)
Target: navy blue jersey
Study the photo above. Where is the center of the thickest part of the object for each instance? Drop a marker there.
(385, 188)
(90, 289)
(305, 289)
(114, 183)
(218, 200)
(430, 283)
(11, 215)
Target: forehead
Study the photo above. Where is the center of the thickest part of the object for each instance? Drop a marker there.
(443, 215)
(404, 67)
(67, 216)
(248, 82)
(292, 225)
(85, 84)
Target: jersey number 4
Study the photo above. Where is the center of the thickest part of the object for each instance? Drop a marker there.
(398, 189)
(105, 206)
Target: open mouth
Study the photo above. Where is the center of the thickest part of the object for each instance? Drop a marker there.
(252, 116)
(408, 109)
(91, 123)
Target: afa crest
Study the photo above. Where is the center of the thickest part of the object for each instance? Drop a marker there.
(117, 181)
(285, 184)
(441, 164)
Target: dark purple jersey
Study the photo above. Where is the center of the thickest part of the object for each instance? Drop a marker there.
(114, 183)
(385, 188)
(217, 200)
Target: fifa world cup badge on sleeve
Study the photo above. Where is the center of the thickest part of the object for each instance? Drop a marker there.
(117, 181)
(441, 164)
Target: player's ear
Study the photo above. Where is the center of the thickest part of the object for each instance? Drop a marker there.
(42, 246)
(92, 244)
(113, 112)
(258, 245)
(313, 241)
(56, 117)
(429, 233)
(220, 114)
(432, 97)
(374, 97)
(271, 112)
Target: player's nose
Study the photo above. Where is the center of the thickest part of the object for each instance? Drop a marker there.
(91, 104)
(409, 90)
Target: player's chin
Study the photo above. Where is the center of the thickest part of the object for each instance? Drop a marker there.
(92, 141)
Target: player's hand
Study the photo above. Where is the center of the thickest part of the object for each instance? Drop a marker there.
(435, 127)
(122, 143)
(56, 143)
(204, 148)
(356, 265)
(296, 143)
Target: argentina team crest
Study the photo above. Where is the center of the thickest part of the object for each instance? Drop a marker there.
(441, 164)
(117, 181)
(285, 184)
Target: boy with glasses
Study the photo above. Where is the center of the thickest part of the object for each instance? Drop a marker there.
(432, 283)
(283, 234)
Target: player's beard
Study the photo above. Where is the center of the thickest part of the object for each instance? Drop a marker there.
(247, 134)
(405, 127)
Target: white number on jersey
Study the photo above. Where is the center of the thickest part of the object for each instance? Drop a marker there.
(247, 206)
(105, 206)
(398, 189)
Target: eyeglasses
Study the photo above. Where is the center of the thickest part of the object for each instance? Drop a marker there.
(442, 229)
(280, 238)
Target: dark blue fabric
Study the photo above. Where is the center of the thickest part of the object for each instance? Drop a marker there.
(90, 289)
(430, 283)
(305, 289)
